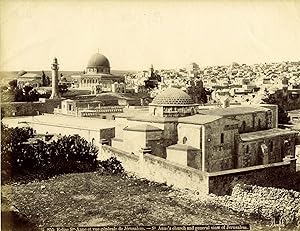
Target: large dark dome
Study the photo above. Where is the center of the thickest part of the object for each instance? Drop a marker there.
(98, 60)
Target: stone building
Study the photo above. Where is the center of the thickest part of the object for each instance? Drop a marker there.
(209, 140)
(172, 102)
(98, 76)
(86, 108)
(30, 79)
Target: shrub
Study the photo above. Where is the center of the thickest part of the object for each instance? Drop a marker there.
(12, 140)
(111, 166)
(22, 158)
(70, 154)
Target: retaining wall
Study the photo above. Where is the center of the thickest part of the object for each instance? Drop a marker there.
(158, 169)
(220, 183)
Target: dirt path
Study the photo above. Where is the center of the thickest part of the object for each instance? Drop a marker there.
(91, 199)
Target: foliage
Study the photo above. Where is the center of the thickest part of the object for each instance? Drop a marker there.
(19, 94)
(45, 79)
(67, 154)
(13, 84)
(62, 88)
(279, 99)
(73, 153)
(11, 147)
(197, 92)
(26, 94)
(111, 166)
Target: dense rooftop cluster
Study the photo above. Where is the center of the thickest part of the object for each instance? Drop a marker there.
(243, 83)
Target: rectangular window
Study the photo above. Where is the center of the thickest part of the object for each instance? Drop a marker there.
(222, 138)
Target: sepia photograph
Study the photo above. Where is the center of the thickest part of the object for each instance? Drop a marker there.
(147, 115)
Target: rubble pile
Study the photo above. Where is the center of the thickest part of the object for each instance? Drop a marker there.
(280, 206)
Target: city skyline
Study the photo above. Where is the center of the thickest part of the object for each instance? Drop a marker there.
(133, 35)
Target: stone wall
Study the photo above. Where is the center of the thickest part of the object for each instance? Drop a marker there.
(279, 206)
(160, 170)
(190, 134)
(130, 162)
(221, 183)
(253, 121)
(250, 153)
(29, 108)
(219, 151)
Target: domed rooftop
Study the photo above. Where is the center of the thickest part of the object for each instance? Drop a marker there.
(172, 96)
(98, 60)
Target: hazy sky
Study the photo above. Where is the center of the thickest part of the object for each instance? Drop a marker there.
(135, 34)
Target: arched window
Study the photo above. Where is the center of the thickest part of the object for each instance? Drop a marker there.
(222, 138)
(247, 149)
(243, 126)
(271, 146)
(184, 140)
(192, 111)
(154, 111)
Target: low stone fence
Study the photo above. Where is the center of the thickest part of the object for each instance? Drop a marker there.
(161, 170)
(158, 169)
(130, 162)
(279, 206)
(221, 183)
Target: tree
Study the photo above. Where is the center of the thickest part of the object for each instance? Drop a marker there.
(71, 154)
(26, 94)
(62, 88)
(44, 80)
(47, 80)
(12, 140)
(281, 101)
(20, 157)
(197, 92)
(13, 84)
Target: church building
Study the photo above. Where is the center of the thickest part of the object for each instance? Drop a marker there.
(207, 139)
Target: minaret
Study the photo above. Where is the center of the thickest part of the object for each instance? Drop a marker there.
(54, 68)
(151, 70)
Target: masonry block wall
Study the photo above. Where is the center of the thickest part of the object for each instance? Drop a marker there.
(190, 134)
(254, 121)
(274, 109)
(160, 170)
(250, 153)
(219, 145)
(222, 183)
(29, 108)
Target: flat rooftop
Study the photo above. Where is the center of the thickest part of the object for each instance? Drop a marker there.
(199, 119)
(250, 136)
(235, 110)
(60, 120)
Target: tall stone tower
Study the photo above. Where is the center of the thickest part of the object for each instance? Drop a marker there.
(54, 68)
